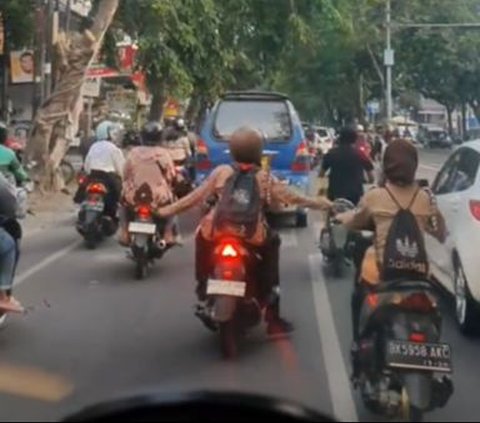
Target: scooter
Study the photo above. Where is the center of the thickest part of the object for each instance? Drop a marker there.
(92, 222)
(401, 366)
(147, 238)
(234, 301)
(334, 238)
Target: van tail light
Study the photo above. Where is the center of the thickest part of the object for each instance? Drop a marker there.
(475, 209)
(418, 302)
(418, 338)
(301, 163)
(203, 162)
(97, 188)
(144, 212)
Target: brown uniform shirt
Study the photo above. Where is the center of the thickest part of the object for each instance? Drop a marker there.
(272, 192)
(377, 210)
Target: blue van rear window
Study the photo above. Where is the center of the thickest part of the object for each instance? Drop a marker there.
(272, 118)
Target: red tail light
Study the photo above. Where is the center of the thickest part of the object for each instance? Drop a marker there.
(203, 162)
(418, 302)
(229, 251)
(81, 179)
(302, 159)
(475, 209)
(144, 212)
(418, 338)
(97, 188)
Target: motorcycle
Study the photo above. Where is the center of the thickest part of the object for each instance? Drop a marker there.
(234, 300)
(184, 179)
(92, 223)
(399, 355)
(147, 238)
(334, 238)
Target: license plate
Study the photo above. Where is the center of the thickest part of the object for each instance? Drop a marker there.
(142, 228)
(98, 206)
(221, 287)
(410, 355)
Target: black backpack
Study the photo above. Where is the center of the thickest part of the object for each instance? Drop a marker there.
(240, 206)
(405, 255)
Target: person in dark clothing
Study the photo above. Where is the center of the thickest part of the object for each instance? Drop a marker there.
(346, 169)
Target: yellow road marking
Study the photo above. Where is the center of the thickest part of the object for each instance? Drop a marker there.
(33, 383)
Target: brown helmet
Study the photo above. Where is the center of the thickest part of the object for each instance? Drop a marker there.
(400, 162)
(246, 145)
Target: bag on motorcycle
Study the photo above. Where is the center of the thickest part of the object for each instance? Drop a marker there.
(240, 206)
(405, 255)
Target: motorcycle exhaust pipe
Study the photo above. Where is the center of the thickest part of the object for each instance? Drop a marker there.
(162, 244)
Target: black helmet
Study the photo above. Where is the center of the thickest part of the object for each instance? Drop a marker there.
(152, 133)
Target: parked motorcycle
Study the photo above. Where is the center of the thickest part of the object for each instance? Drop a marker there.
(334, 238)
(234, 300)
(92, 223)
(399, 357)
(147, 238)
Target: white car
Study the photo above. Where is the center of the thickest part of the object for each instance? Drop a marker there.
(456, 263)
(325, 138)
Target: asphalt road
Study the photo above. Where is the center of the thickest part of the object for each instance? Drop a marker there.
(93, 333)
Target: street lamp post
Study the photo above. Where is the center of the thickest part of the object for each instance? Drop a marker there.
(388, 61)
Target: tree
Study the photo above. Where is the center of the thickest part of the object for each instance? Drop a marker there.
(18, 16)
(57, 118)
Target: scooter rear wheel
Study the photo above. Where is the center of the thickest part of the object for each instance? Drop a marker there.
(228, 340)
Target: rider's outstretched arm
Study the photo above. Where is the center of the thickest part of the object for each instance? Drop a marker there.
(196, 197)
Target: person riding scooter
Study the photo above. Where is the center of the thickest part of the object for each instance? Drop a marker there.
(104, 163)
(10, 234)
(149, 169)
(246, 145)
(10, 167)
(379, 210)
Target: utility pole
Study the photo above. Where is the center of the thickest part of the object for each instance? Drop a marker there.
(49, 19)
(388, 61)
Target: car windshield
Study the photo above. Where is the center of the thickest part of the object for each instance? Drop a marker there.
(271, 118)
(139, 256)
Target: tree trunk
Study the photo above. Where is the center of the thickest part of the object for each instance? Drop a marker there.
(193, 106)
(464, 120)
(158, 101)
(57, 119)
(449, 119)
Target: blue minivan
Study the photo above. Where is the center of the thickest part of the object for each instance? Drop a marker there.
(272, 114)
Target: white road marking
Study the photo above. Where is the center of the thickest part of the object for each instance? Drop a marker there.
(337, 375)
(289, 238)
(428, 167)
(46, 262)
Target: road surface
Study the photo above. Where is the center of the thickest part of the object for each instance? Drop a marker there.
(93, 333)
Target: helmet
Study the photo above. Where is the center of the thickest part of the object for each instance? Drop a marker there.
(246, 146)
(106, 130)
(180, 124)
(152, 133)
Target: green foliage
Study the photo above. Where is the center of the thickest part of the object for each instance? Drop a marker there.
(18, 16)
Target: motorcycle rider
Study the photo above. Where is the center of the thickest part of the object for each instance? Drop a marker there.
(377, 210)
(346, 168)
(11, 168)
(104, 163)
(246, 146)
(150, 167)
(177, 142)
(10, 234)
